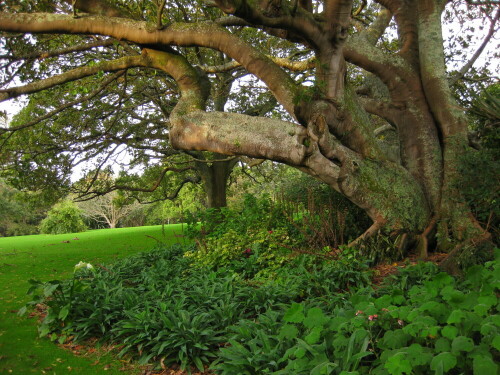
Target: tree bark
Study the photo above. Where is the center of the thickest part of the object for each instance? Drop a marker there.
(215, 176)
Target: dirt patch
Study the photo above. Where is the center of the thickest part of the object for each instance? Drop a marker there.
(381, 271)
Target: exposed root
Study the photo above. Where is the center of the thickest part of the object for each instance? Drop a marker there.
(374, 229)
(402, 243)
(423, 240)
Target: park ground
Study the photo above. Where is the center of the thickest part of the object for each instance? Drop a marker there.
(48, 257)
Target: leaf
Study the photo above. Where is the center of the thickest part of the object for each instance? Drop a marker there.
(449, 332)
(315, 318)
(496, 343)
(442, 345)
(462, 344)
(482, 365)
(288, 331)
(43, 330)
(395, 339)
(294, 314)
(481, 309)
(444, 360)
(489, 301)
(22, 311)
(456, 316)
(299, 352)
(383, 302)
(398, 364)
(199, 364)
(417, 355)
(64, 312)
(325, 368)
(49, 289)
(314, 336)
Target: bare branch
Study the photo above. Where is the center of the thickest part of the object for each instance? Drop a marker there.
(88, 194)
(462, 72)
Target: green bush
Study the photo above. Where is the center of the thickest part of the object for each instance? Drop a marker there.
(160, 307)
(64, 217)
(258, 231)
(269, 250)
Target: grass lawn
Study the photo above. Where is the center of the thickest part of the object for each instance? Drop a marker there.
(48, 257)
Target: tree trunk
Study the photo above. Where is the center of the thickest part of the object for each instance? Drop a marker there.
(215, 176)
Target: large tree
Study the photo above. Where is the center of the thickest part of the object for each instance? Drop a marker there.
(331, 133)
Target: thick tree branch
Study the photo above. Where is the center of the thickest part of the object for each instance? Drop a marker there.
(234, 134)
(298, 22)
(73, 75)
(338, 14)
(392, 5)
(375, 31)
(381, 109)
(294, 66)
(358, 50)
(205, 35)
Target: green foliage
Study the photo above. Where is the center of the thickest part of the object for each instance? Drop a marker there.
(485, 111)
(433, 325)
(480, 181)
(318, 200)
(20, 212)
(313, 315)
(259, 231)
(64, 217)
(161, 308)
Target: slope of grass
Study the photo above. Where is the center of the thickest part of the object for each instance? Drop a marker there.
(48, 257)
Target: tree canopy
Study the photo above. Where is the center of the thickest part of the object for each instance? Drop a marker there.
(366, 102)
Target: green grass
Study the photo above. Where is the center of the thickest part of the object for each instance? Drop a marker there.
(48, 257)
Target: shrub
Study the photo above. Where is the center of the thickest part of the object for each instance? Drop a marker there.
(433, 326)
(312, 317)
(64, 217)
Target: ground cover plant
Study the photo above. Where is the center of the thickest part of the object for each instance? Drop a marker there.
(49, 257)
(307, 318)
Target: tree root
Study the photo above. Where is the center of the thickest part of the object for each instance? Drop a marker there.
(423, 240)
(374, 229)
(463, 255)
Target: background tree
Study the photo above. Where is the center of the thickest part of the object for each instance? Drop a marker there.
(63, 217)
(109, 209)
(20, 212)
(329, 134)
